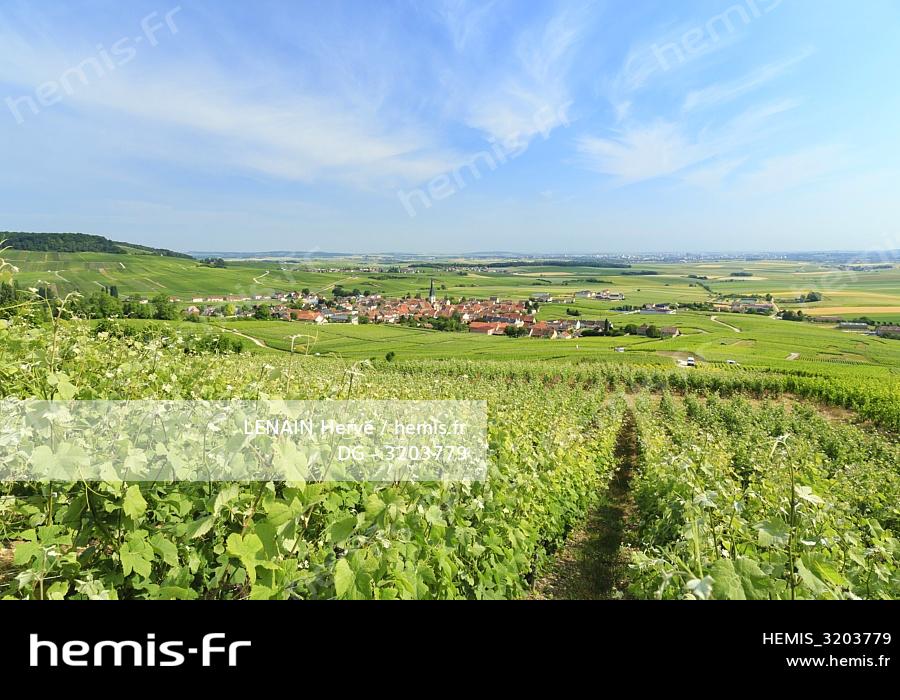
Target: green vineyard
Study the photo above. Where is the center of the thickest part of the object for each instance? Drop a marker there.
(741, 487)
(745, 502)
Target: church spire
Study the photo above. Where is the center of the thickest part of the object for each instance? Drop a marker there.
(431, 297)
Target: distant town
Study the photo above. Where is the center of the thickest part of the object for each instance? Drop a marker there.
(491, 316)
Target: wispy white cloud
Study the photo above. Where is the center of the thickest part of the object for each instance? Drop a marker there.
(464, 19)
(530, 95)
(202, 116)
(354, 124)
(643, 153)
(664, 148)
(652, 61)
(713, 175)
(723, 92)
(782, 173)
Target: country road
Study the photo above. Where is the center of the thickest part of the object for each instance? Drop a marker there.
(255, 341)
(722, 323)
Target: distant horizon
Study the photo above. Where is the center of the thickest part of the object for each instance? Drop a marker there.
(892, 255)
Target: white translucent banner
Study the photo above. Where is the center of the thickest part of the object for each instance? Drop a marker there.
(266, 440)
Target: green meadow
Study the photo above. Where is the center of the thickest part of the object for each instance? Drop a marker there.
(748, 340)
(845, 293)
(762, 342)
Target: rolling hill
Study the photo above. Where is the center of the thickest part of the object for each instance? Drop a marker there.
(78, 243)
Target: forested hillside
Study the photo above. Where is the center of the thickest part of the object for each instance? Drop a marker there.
(77, 243)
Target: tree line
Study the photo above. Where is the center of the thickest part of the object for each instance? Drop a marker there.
(76, 243)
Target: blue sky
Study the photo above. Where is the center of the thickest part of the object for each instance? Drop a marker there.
(454, 125)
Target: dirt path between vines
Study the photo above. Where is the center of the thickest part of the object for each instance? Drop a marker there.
(715, 319)
(255, 341)
(593, 564)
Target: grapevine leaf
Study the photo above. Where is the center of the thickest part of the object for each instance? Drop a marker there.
(342, 529)
(813, 582)
(755, 582)
(246, 549)
(774, 532)
(58, 591)
(176, 593)
(133, 559)
(434, 516)
(198, 528)
(701, 588)
(805, 493)
(226, 496)
(726, 582)
(279, 513)
(25, 552)
(166, 549)
(134, 504)
(823, 569)
(344, 578)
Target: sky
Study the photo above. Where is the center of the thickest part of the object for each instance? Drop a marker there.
(442, 126)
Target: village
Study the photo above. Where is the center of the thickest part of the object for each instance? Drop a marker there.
(491, 316)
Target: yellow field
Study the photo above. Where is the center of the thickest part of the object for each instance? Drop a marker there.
(837, 310)
(543, 274)
(857, 293)
(743, 279)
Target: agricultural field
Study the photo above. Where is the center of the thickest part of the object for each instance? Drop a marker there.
(147, 275)
(732, 484)
(714, 338)
(768, 471)
(761, 342)
(756, 340)
(740, 501)
(846, 293)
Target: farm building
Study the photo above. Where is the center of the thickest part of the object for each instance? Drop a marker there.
(484, 328)
(543, 330)
(651, 309)
(306, 316)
